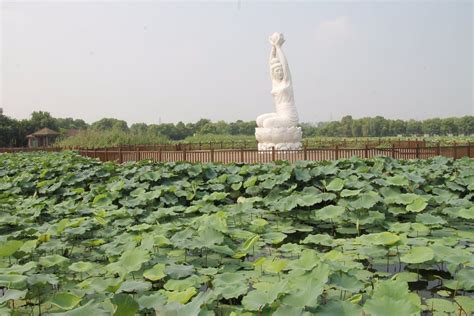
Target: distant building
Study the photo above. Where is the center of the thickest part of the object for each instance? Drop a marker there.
(72, 132)
(42, 138)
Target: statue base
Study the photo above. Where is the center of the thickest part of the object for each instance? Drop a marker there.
(282, 138)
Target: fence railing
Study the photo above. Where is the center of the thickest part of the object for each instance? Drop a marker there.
(254, 156)
(244, 155)
(309, 143)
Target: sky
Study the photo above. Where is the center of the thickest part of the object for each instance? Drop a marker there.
(176, 61)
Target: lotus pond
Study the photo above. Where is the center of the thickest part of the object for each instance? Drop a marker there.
(349, 237)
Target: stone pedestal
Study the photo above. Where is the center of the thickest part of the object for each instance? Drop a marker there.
(282, 138)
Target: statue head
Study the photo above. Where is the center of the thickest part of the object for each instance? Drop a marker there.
(277, 69)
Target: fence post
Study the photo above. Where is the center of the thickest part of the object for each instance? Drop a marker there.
(336, 152)
(95, 152)
(273, 153)
(106, 155)
(159, 154)
(366, 151)
(393, 150)
(417, 151)
(438, 149)
(212, 154)
(120, 155)
(469, 149)
(184, 154)
(305, 152)
(138, 154)
(241, 154)
(200, 145)
(455, 149)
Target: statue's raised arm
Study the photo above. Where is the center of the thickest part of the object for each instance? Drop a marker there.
(278, 59)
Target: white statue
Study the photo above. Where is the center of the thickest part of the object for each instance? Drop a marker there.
(279, 129)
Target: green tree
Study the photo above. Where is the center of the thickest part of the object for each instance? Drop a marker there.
(109, 124)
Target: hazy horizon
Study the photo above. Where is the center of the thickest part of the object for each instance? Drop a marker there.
(176, 61)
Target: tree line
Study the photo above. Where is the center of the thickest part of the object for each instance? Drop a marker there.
(13, 132)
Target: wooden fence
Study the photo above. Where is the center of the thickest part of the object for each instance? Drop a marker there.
(244, 155)
(254, 156)
(309, 143)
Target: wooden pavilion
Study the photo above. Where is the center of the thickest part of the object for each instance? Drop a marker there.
(42, 138)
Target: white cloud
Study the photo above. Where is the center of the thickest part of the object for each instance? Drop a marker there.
(337, 29)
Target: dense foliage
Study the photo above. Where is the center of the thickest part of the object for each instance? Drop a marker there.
(110, 138)
(13, 132)
(330, 238)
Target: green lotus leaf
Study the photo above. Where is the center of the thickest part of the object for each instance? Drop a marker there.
(392, 298)
(441, 305)
(81, 266)
(365, 201)
(465, 277)
(308, 199)
(134, 286)
(465, 213)
(209, 236)
(346, 282)
(19, 269)
(417, 205)
(102, 200)
(90, 308)
(250, 182)
(236, 186)
(274, 237)
(418, 255)
(275, 265)
(335, 185)
(230, 285)
(407, 276)
(319, 239)
(302, 174)
(330, 212)
(307, 261)
(348, 193)
(255, 300)
(154, 301)
(250, 242)
(9, 247)
(134, 258)
(190, 309)
(339, 308)
(466, 302)
(126, 305)
(429, 219)
(181, 296)
(382, 239)
(183, 284)
(53, 260)
(28, 246)
(65, 300)
(305, 289)
(398, 180)
(285, 310)
(176, 271)
(157, 272)
(12, 294)
(13, 281)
